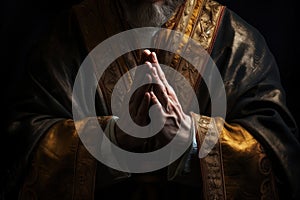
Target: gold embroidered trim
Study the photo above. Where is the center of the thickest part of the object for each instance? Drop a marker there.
(188, 20)
(247, 169)
(212, 164)
(207, 27)
(199, 21)
(268, 188)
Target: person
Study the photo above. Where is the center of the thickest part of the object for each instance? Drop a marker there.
(256, 152)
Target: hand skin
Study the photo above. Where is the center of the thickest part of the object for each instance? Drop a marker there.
(168, 107)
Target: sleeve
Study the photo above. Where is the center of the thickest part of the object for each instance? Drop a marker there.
(61, 153)
(233, 164)
(258, 120)
(42, 142)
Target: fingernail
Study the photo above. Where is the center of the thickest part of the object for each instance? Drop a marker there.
(168, 109)
(147, 51)
(152, 94)
(154, 58)
(148, 63)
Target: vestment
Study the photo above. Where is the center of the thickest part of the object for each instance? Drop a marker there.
(42, 113)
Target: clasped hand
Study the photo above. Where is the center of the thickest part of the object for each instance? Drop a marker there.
(169, 110)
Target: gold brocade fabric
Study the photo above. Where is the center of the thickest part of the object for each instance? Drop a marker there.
(248, 171)
(61, 154)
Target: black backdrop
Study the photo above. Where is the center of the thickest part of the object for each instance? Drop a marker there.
(22, 22)
(276, 20)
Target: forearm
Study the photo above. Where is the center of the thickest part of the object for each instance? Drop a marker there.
(59, 152)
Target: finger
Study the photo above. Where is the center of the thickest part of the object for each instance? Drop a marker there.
(168, 88)
(142, 76)
(159, 89)
(155, 101)
(162, 76)
(175, 111)
(160, 72)
(142, 114)
(147, 52)
(138, 95)
(139, 92)
(139, 75)
(145, 56)
(157, 112)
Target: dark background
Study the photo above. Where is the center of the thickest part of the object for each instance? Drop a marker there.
(277, 22)
(22, 23)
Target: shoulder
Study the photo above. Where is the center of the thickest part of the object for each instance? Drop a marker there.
(234, 30)
(244, 46)
(58, 48)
